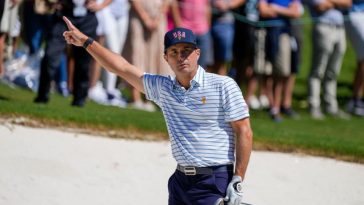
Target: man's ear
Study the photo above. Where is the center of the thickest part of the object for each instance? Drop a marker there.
(165, 57)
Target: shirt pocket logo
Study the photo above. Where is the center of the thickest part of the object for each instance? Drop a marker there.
(203, 100)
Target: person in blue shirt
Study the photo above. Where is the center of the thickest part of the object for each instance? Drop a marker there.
(206, 116)
(222, 32)
(277, 14)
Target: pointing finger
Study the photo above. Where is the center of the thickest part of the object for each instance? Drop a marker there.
(69, 24)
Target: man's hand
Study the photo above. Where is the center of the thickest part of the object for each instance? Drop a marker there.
(234, 193)
(152, 24)
(73, 35)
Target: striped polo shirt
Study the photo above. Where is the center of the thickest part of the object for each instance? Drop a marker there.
(198, 119)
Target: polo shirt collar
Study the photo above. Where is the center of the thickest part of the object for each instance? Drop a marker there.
(198, 78)
(196, 81)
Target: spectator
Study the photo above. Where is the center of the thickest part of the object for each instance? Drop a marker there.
(171, 24)
(34, 24)
(296, 43)
(329, 45)
(36, 19)
(96, 92)
(249, 56)
(278, 48)
(143, 46)
(86, 20)
(114, 22)
(355, 30)
(196, 15)
(9, 9)
(222, 31)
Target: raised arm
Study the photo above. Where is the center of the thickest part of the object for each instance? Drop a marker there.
(109, 60)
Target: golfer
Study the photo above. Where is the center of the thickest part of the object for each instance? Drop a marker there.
(206, 116)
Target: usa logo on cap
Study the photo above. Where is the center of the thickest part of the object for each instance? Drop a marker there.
(179, 35)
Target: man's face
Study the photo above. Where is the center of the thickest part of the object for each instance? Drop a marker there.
(182, 58)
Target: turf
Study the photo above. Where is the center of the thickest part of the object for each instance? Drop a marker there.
(342, 139)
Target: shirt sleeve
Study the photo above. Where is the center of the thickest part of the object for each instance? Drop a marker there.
(234, 105)
(152, 86)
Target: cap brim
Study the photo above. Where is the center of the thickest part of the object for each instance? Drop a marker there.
(179, 42)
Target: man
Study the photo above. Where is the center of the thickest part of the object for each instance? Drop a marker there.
(329, 45)
(203, 112)
(279, 49)
(222, 33)
(249, 57)
(196, 15)
(82, 14)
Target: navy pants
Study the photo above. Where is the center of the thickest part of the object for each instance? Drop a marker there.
(201, 189)
(55, 48)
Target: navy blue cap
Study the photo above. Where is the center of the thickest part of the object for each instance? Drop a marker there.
(179, 35)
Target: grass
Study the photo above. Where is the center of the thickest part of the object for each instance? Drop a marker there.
(341, 139)
(18, 102)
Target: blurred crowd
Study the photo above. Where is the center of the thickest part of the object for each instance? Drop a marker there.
(256, 42)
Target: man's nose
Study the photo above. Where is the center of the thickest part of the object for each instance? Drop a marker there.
(181, 57)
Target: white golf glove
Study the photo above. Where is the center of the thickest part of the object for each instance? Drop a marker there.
(234, 191)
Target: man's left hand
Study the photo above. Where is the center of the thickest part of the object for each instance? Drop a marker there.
(234, 192)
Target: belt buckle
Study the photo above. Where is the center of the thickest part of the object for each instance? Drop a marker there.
(190, 171)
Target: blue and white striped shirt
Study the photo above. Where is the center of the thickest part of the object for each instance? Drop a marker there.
(198, 119)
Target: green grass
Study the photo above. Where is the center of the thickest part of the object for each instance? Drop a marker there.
(335, 138)
(18, 102)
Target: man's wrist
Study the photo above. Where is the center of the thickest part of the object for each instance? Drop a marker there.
(237, 178)
(88, 42)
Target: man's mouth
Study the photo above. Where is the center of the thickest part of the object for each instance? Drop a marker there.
(182, 65)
